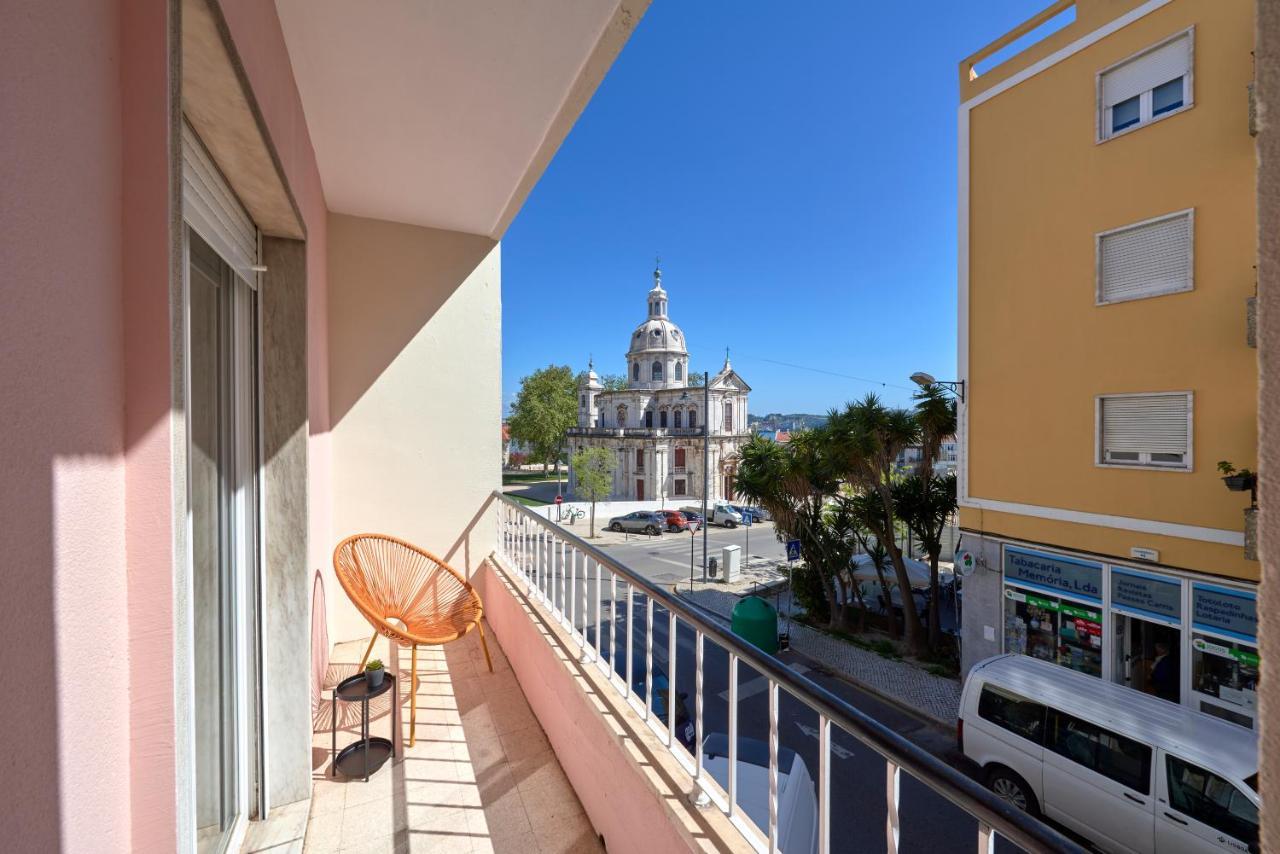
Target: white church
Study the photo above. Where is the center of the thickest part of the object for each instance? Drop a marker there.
(655, 424)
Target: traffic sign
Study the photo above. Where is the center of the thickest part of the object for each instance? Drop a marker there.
(559, 499)
(747, 519)
(793, 549)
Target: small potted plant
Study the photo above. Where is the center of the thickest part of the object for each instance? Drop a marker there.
(373, 673)
(1237, 480)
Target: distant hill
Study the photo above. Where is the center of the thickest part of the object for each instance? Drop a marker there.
(780, 421)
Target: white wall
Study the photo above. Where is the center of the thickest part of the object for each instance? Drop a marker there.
(415, 371)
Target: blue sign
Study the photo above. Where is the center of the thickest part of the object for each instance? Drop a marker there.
(1225, 611)
(1143, 595)
(793, 549)
(1054, 573)
(747, 519)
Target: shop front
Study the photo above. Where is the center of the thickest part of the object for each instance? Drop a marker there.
(1169, 634)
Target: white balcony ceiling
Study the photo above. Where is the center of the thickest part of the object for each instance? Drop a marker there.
(443, 112)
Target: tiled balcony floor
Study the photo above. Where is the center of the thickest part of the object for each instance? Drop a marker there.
(481, 777)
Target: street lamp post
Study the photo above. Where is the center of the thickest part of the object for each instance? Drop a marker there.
(956, 387)
(706, 464)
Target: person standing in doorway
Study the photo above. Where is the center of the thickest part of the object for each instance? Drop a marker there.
(1164, 673)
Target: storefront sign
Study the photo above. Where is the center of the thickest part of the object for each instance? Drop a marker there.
(1148, 594)
(1225, 611)
(1249, 659)
(1060, 574)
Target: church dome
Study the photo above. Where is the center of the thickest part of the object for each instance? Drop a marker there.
(657, 334)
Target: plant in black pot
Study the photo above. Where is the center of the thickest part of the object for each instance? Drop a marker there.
(1237, 480)
(373, 673)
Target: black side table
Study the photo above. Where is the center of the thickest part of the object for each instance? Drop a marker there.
(363, 757)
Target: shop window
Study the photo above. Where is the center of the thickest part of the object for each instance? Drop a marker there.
(1207, 798)
(1100, 750)
(1018, 715)
(1227, 671)
(1054, 630)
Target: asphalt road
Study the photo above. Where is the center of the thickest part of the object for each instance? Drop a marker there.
(665, 558)
(929, 822)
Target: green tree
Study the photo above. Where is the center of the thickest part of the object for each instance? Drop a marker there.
(926, 503)
(593, 476)
(613, 382)
(545, 407)
(794, 482)
(866, 438)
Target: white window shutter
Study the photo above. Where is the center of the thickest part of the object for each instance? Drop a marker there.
(1153, 424)
(212, 209)
(1147, 71)
(1146, 260)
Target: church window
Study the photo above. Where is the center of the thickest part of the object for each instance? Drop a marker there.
(680, 459)
(648, 418)
(728, 417)
(678, 413)
(635, 371)
(693, 418)
(657, 372)
(582, 400)
(662, 418)
(679, 370)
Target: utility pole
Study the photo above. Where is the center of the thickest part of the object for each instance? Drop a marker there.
(706, 464)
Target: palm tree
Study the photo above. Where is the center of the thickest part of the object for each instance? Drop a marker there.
(926, 503)
(936, 416)
(867, 437)
(793, 482)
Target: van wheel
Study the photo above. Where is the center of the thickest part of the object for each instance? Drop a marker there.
(729, 523)
(1011, 788)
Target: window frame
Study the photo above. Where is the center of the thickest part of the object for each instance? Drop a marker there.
(1099, 453)
(1145, 118)
(1011, 696)
(1053, 743)
(1170, 784)
(1189, 213)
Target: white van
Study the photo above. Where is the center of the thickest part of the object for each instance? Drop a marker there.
(797, 800)
(1128, 771)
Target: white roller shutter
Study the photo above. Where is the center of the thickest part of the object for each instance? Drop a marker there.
(1151, 424)
(209, 207)
(1146, 260)
(1146, 72)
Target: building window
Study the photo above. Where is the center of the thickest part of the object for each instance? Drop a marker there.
(648, 418)
(656, 372)
(635, 371)
(679, 370)
(582, 400)
(622, 415)
(639, 459)
(728, 416)
(693, 419)
(680, 452)
(1102, 751)
(662, 419)
(678, 413)
(1139, 90)
(1149, 430)
(680, 487)
(1147, 259)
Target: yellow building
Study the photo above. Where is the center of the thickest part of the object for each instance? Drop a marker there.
(1106, 258)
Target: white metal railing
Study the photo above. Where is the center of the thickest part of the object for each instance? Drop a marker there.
(555, 568)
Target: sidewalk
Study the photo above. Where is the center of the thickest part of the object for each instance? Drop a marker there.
(900, 682)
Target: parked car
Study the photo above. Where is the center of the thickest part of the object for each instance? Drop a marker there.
(661, 692)
(797, 798)
(720, 513)
(1128, 771)
(676, 521)
(755, 514)
(641, 521)
(693, 517)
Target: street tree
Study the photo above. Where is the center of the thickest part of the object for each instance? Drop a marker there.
(926, 503)
(593, 474)
(866, 438)
(545, 407)
(614, 382)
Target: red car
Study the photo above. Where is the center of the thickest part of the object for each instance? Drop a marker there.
(676, 521)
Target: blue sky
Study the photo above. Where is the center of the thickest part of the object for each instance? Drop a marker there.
(795, 167)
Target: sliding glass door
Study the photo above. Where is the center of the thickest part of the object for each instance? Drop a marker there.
(223, 500)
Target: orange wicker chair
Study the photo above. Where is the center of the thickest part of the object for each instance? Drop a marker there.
(389, 580)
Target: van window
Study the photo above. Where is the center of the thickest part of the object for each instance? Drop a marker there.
(1122, 759)
(1211, 800)
(1009, 711)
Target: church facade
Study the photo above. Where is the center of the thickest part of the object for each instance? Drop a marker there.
(655, 425)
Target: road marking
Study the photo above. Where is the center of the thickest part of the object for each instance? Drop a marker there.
(759, 684)
(812, 732)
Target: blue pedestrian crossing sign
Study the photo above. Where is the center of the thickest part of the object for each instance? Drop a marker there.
(793, 549)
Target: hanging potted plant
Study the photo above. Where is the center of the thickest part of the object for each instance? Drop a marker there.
(1237, 480)
(373, 673)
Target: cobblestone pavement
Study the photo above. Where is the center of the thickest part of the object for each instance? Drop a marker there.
(900, 682)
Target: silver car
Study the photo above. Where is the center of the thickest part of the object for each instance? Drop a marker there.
(640, 522)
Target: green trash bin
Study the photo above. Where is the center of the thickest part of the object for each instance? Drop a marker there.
(756, 621)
